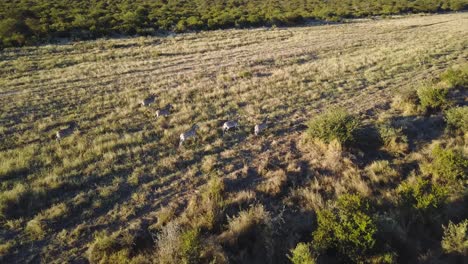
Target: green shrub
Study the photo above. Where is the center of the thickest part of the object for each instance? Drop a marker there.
(301, 254)
(457, 118)
(432, 98)
(334, 124)
(422, 195)
(456, 77)
(448, 164)
(347, 228)
(455, 239)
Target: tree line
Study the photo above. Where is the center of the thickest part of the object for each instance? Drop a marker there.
(26, 22)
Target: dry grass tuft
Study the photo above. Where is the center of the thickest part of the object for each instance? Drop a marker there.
(274, 183)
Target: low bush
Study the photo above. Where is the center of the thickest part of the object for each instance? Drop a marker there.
(447, 164)
(336, 124)
(432, 98)
(347, 228)
(301, 254)
(455, 239)
(456, 77)
(457, 118)
(422, 195)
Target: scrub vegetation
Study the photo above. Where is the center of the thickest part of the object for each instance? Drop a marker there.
(34, 21)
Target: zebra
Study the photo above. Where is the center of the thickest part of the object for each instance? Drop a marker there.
(166, 111)
(62, 133)
(260, 127)
(188, 134)
(148, 100)
(228, 125)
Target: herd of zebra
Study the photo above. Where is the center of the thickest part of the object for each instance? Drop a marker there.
(165, 112)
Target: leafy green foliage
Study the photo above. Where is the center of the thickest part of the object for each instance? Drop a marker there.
(457, 118)
(456, 77)
(347, 228)
(301, 254)
(432, 98)
(448, 164)
(334, 124)
(24, 21)
(422, 195)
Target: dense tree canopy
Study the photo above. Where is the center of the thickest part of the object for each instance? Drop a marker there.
(29, 21)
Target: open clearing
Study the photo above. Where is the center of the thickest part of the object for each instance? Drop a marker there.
(123, 164)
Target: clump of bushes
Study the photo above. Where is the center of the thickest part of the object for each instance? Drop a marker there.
(448, 164)
(347, 228)
(335, 124)
(432, 98)
(422, 195)
(457, 118)
(301, 254)
(455, 239)
(456, 77)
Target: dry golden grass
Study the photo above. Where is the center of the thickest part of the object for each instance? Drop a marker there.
(123, 164)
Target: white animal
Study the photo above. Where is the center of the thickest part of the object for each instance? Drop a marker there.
(148, 100)
(62, 133)
(228, 125)
(260, 127)
(166, 111)
(188, 134)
